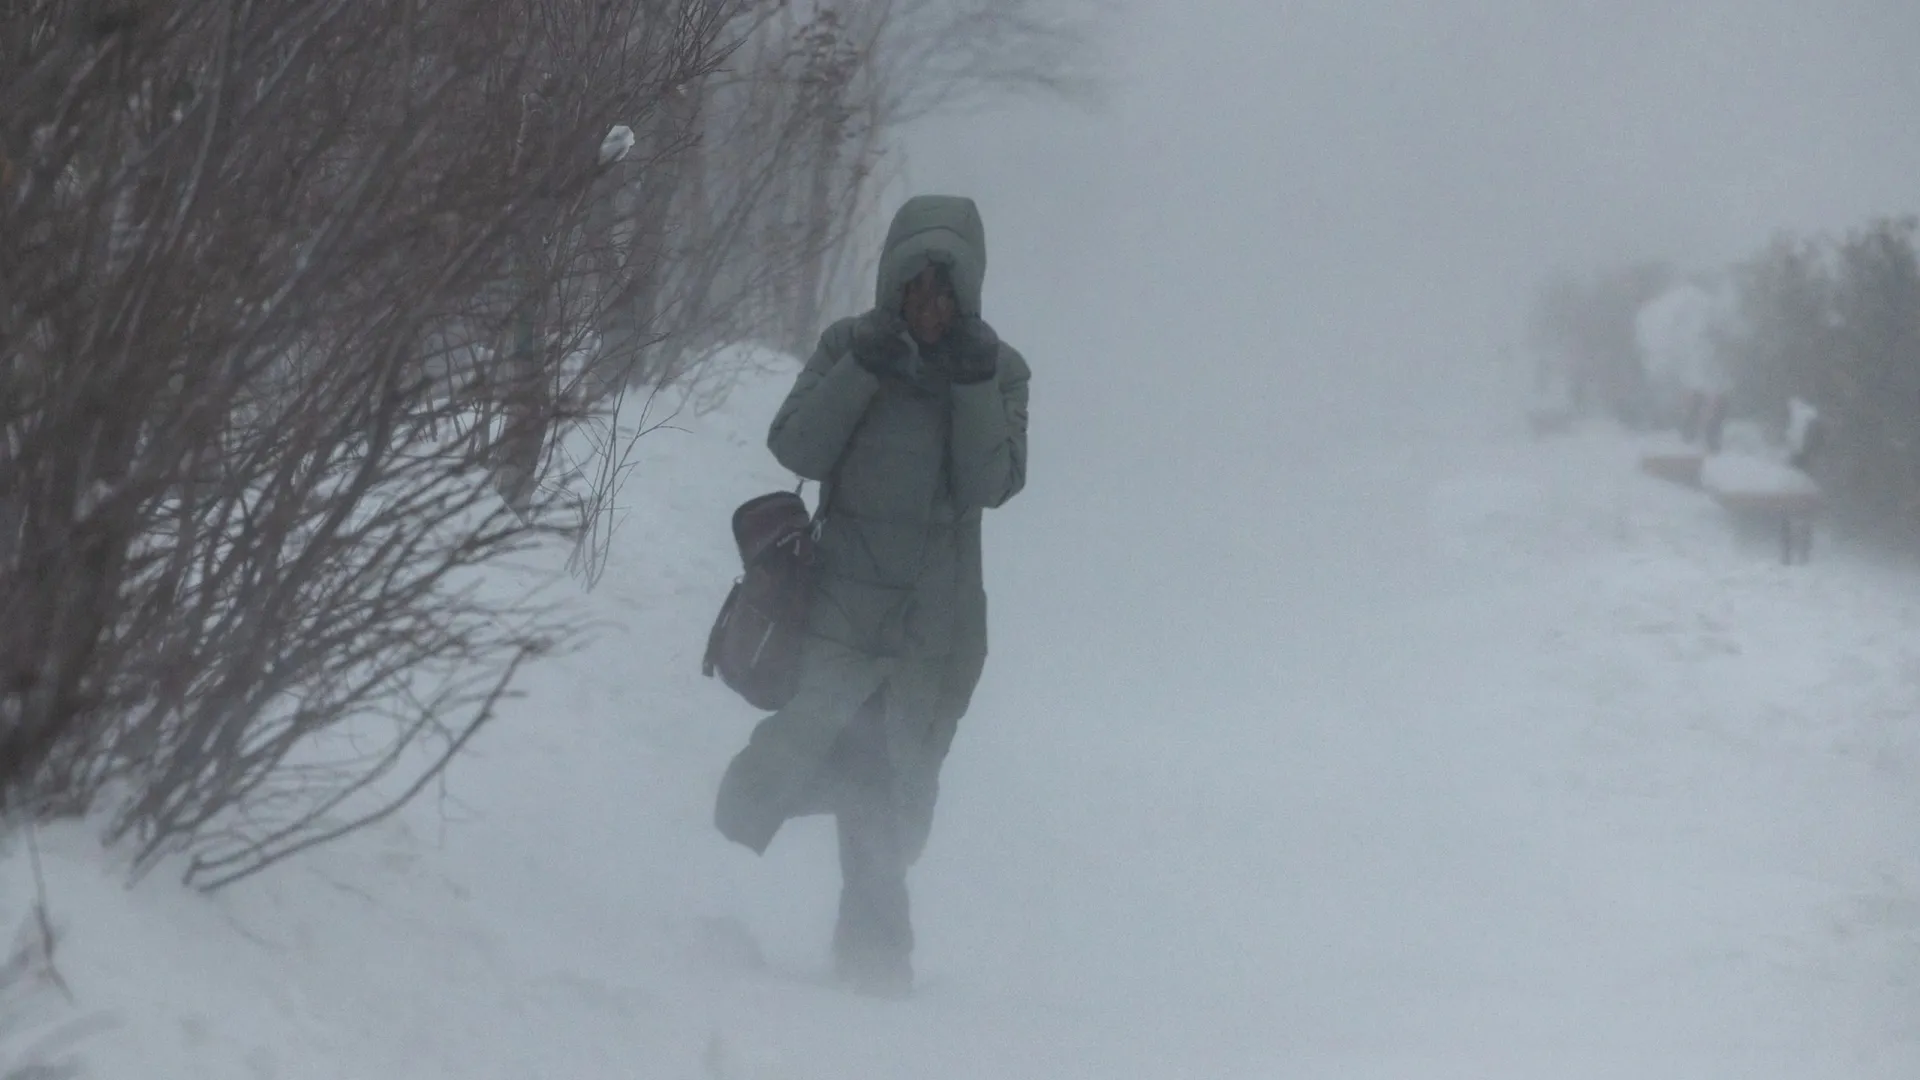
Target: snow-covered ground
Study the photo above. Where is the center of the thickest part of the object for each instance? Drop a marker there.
(1496, 759)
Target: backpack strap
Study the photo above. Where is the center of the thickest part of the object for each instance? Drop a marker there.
(826, 488)
(832, 481)
(826, 493)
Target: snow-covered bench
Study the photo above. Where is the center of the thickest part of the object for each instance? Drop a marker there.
(1679, 459)
(1773, 491)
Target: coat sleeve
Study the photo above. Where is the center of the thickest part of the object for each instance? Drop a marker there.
(821, 411)
(988, 449)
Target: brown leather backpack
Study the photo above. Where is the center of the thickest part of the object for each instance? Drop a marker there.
(754, 645)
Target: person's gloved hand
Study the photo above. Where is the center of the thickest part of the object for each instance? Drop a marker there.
(878, 344)
(971, 352)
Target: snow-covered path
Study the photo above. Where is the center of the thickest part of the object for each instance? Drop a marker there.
(1497, 761)
(1550, 778)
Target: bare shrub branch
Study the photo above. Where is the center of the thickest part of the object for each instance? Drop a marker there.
(294, 296)
(315, 315)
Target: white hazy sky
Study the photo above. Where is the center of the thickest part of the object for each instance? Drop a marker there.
(1282, 187)
(1301, 231)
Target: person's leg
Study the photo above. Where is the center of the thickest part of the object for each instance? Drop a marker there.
(873, 938)
(774, 777)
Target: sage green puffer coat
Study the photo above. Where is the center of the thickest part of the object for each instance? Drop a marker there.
(908, 465)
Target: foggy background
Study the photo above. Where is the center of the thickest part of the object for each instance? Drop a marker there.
(1264, 293)
(1304, 199)
(1266, 288)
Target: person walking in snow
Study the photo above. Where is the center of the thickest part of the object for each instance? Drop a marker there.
(913, 416)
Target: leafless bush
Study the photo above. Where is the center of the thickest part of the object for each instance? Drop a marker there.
(289, 290)
(908, 60)
(780, 158)
(705, 234)
(601, 454)
(751, 209)
(298, 301)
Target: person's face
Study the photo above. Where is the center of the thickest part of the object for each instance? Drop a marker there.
(929, 308)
